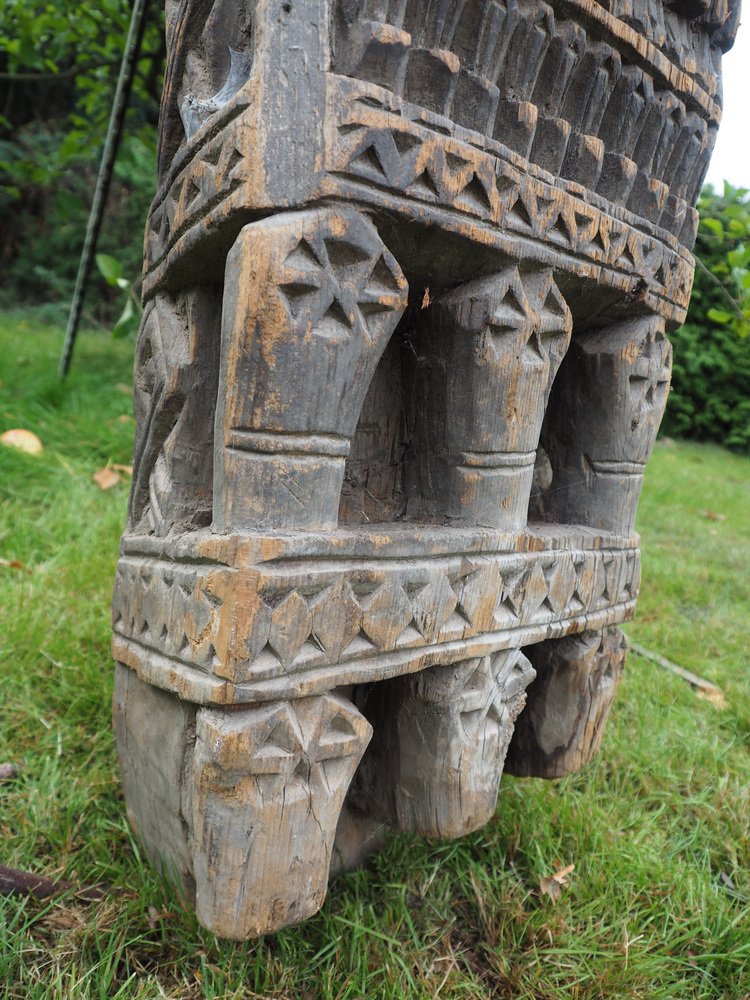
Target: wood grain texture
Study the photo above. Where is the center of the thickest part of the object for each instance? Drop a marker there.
(408, 276)
(155, 733)
(268, 787)
(568, 703)
(440, 741)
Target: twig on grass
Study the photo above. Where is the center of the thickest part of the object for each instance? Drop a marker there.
(16, 882)
(13, 881)
(704, 688)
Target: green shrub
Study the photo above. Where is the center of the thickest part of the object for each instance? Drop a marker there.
(710, 399)
(48, 234)
(58, 67)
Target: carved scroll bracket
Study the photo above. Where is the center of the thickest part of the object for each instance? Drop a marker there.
(310, 302)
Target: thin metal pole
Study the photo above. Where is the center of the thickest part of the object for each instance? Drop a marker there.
(114, 132)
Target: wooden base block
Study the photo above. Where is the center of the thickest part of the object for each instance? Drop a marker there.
(440, 742)
(155, 735)
(568, 703)
(240, 807)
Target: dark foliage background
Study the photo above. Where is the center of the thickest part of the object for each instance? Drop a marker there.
(710, 398)
(58, 69)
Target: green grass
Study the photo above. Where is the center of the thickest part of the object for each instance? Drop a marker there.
(657, 827)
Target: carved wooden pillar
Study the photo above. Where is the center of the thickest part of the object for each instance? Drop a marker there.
(491, 351)
(600, 427)
(441, 737)
(310, 302)
(240, 808)
(267, 789)
(602, 421)
(568, 703)
(175, 387)
(407, 278)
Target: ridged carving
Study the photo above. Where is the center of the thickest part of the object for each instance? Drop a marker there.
(259, 624)
(423, 165)
(533, 65)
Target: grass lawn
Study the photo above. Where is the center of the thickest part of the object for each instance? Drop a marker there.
(658, 905)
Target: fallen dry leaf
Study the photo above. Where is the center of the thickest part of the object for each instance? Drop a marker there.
(727, 881)
(549, 887)
(11, 563)
(106, 478)
(713, 695)
(711, 515)
(552, 885)
(65, 918)
(426, 299)
(23, 440)
(156, 916)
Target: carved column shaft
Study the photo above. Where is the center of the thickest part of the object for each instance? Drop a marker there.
(601, 423)
(309, 304)
(568, 703)
(490, 351)
(440, 742)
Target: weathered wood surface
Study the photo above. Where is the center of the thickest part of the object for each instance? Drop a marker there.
(441, 736)
(408, 278)
(568, 703)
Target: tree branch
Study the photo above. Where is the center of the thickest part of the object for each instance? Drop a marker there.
(736, 307)
(59, 75)
(14, 881)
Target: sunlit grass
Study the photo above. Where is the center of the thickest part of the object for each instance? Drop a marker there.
(657, 827)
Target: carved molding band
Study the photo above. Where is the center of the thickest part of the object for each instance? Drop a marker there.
(237, 634)
(382, 149)
(499, 195)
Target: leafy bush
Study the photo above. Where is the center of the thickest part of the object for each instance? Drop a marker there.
(710, 399)
(58, 67)
(45, 240)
